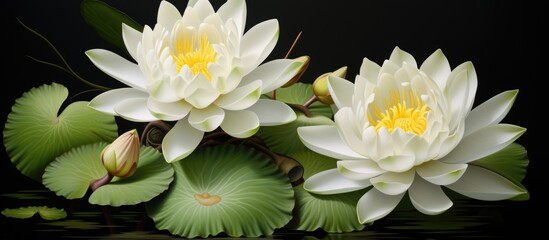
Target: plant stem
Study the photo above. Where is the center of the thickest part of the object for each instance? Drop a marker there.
(95, 184)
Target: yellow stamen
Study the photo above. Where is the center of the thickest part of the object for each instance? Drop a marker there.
(402, 110)
(196, 58)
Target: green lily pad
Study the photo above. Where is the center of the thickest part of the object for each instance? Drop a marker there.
(300, 93)
(284, 139)
(35, 134)
(226, 188)
(334, 213)
(71, 173)
(45, 212)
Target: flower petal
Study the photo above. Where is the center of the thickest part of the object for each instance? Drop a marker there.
(273, 74)
(272, 113)
(169, 111)
(483, 143)
(428, 198)
(486, 185)
(207, 119)
(440, 173)
(392, 183)
(200, 93)
(327, 141)
(240, 98)
(107, 101)
(167, 15)
(135, 110)
(369, 70)
(119, 68)
(490, 112)
(180, 141)
(203, 8)
(470, 82)
(236, 10)
(398, 57)
(359, 169)
(397, 163)
(131, 39)
(257, 43)
(240, 124)
(161, 90)
(375, 205)
(331, 182)
(437, 67)
(457, 93)
(341, 90)
(345, 122)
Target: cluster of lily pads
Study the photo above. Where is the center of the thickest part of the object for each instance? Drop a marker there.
(239, 180)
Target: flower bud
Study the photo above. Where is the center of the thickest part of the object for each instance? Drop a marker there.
(320, 85)
(305, 60)
(120, 158)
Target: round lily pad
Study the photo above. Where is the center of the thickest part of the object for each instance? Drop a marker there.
(35, 134)
(334, 213)
(71, 173)
(225, 188)
(45, 212)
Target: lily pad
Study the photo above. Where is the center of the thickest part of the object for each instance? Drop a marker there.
(300, 93)
(45, 212)
(35, 134)
(71, 173)
(284, 139)
(226, 188)
(510, 162)
(333, 213)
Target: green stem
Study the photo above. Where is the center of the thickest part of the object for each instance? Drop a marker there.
(95, 184)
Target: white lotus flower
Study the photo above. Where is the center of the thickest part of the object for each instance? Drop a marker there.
(404, 129)
(200, 70)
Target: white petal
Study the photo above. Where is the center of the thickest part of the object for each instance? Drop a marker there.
(428, 198)
(180, 141)
(235, 9)
(375, 205)
(161, 90)
(107, 101)
(472, 83)
(118, 68)
(200, 93)
(272, 113)
(331, 182)
(483, 184)
(490, 112)
(257, 43)
(369, 70)
(169, 111)
(483, 143)
(207, 119)
(167, 15)
(397, 163)
(229, 83)
(135, 110)
(341, 91)
(326, 141)
(131, 39)
(457, 92)
(392, 183)
(203, 8)
(398, 57)
(437, 67)
(240, 124)
(359, 169)
(440, 173)
(345, 122)
(240, 98)
(274, 74)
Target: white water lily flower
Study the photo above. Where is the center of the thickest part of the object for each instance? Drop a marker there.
(199, 69)
(404, 129)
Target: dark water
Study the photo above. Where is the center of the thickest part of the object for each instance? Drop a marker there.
(467, 219)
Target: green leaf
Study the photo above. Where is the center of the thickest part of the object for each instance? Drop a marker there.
(71, 173)
(226, 188)
(45, 212)
(511, 163)
(284, 139)
(34, 134)
(107, 21)
(334, 213)
(299, 93)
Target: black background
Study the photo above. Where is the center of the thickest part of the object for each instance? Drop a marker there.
(501, 38)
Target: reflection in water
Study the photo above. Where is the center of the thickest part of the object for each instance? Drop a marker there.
(466, 219)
